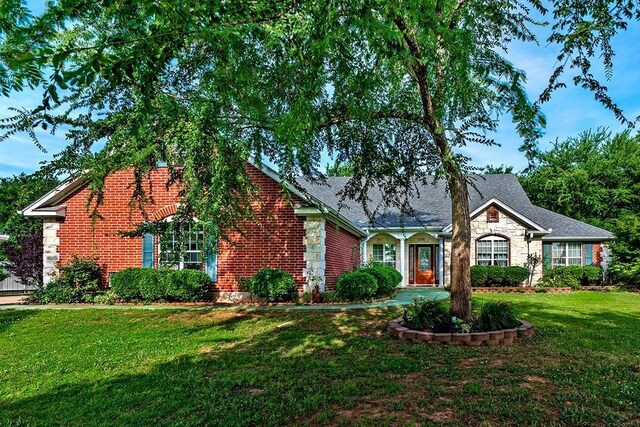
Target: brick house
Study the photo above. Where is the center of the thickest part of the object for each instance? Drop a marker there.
(311, 235)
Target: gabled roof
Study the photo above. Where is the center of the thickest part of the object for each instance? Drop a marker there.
(51, 204)
(506, 208)
(432, 207)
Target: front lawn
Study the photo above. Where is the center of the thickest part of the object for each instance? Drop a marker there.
(139, 367)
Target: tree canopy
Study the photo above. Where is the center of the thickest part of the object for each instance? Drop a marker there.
(594, 177)
(393, 88)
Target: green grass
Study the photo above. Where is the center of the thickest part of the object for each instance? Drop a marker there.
(137, 367)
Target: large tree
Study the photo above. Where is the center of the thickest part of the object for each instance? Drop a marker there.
(593, 177)
(391, 87)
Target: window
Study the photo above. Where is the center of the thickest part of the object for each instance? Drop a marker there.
(566, 253)
(185, 253)
(493, 214)
(385, 253)
(492, 250)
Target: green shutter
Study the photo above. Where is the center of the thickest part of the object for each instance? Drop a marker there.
(546, 256)
(147, 251)
(588, 253)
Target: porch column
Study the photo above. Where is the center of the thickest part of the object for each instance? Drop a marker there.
(363, 251)
(403, 261)
(441, 263)
(315, 252)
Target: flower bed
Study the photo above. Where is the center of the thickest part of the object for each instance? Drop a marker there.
(472, 339)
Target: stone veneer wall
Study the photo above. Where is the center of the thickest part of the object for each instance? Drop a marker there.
(315, 252)
(509, 227)
(51, 256)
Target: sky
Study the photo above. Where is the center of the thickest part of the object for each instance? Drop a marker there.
(571, 110)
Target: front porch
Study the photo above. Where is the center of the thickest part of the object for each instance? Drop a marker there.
(419, 255)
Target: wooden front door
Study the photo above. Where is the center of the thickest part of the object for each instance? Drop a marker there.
(424, 264)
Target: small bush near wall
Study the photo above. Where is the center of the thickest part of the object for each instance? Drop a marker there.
(387, 278)
(272, 285)
(493, 275)
(624, 274)
(560, 277)
(572, 276)
(151, 285)
(356, 285)
(77, 281)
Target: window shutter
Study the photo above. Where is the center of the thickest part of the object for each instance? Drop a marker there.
(147, 250)
(588, 253)
(212, 265)
(546, 256)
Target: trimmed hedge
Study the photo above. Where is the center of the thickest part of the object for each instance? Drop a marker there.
(494, 275)
(356, 285)
(148, 284)
(272, 285)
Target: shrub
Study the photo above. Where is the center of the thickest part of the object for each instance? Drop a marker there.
(109, 298)
(125, 283)
(76, 282)
(624, 274)
(494, 275)
(356, 286)
(387, 278)
(424, 314)
(272, 285)
(559, 277)
(153, 284)
(148, 284)
(496, 315)
(187, 285)
(479, 275)
(591, 275)
(515, 275)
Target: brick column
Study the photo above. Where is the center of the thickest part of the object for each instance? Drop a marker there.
(314, 254)
(50, 241)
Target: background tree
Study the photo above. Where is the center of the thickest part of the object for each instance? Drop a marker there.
(22, 253)
(391, 87)
(594, 177)
(339, 169)
(502, 169)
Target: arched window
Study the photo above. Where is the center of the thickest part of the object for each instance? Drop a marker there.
(492, 250)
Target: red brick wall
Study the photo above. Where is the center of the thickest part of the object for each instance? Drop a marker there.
(597, 253)
(343, 253)
(275, 240)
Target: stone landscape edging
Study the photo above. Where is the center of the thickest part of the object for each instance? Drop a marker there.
(529, 290)
(472, 339)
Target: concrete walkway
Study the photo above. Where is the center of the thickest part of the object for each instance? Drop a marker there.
(404, 297)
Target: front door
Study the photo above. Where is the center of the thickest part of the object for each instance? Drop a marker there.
(424, 265)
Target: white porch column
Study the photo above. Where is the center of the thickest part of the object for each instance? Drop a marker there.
(363, 250)
(441, 263)
(403, 261)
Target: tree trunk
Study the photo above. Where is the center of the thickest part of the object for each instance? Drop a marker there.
(460, 245)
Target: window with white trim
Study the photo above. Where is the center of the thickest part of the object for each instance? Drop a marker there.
(185, 253)
(566, 253)
(385, 253)
(492, 250)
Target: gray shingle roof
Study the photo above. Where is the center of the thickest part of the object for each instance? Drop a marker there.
(433, 206)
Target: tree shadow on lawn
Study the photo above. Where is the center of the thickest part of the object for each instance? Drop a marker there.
(9, 317)
(284, 368)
